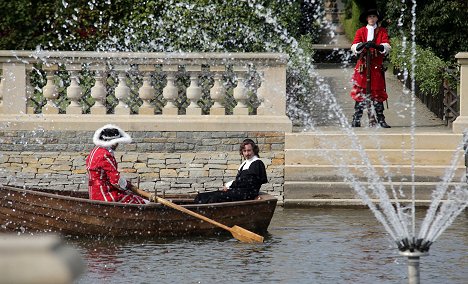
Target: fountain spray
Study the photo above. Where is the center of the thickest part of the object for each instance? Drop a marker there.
(396, 222)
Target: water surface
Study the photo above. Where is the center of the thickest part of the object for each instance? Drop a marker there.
(303, 246)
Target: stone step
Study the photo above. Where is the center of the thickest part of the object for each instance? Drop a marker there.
(306, 194)
(317, 156)
(423, 173)
(351, 203)
(372, 140)
(343, 190)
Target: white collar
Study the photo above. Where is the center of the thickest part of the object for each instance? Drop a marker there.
(246, 164)
(370, 32)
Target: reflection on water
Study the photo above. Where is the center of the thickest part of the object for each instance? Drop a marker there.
(303, 246)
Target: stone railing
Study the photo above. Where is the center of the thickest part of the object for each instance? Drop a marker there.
(143, 91)
(461, 123)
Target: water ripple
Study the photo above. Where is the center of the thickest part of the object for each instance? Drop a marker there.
(303, 246)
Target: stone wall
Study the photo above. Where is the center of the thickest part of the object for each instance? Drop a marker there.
(169, 161)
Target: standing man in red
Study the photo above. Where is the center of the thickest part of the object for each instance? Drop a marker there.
(373, 39)
(104, 180)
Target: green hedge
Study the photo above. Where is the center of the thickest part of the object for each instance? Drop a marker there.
(429, 69)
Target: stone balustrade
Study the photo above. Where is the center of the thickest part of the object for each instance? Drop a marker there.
(143, 91)
(186, 112)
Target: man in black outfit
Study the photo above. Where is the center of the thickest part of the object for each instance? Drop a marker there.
(249, 179)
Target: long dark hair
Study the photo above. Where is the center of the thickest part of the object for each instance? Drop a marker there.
(249, 142)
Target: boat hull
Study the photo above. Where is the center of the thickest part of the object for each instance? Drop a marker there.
(70, 213)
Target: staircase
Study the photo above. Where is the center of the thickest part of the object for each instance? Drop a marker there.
(312, 158)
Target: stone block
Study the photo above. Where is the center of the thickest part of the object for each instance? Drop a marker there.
(214, 166)
(60, 168)
(168, 173)
(150, 176)
(139, 165)
(127, 165)
(29, 170)
(18, 160)
(183, 174)
(193, 165)
(188, 156)
(129, 157)
(145, 170)
(46, 160)
(216, 173)
(219, 162)
(152, 161)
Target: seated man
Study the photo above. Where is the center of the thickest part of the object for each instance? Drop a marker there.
(104, 180)
(249, 179)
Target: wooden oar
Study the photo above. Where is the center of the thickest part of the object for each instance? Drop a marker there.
(237, 232)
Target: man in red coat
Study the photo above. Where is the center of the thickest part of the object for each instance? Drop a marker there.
(375, 40)
(104, 180)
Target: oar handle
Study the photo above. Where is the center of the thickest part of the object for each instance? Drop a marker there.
(142, 193)
(194, 214)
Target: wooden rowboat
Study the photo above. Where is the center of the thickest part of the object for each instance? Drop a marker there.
(71, 213)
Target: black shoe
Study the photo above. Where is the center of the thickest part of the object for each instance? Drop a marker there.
(356, 123)
(383, 124)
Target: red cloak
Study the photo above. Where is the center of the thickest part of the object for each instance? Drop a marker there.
(378, 88)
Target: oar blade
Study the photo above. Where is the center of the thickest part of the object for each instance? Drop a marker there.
(245, 236)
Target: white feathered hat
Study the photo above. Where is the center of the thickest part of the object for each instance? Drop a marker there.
(109, 135)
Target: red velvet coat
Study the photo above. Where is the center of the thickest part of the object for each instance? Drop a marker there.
(378, 89)
(104, 179)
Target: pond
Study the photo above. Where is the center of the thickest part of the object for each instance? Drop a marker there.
(316, 245)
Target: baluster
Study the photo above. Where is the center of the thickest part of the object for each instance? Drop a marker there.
(29, 90)
(1, 94)
(170, 91)
(146, 91)
(98, 91)
(261, 94)
(240, 91)
(50, 91)
(194, 91)
(74, 91)
(122, 91)
(218, 91)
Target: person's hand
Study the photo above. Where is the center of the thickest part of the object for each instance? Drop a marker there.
(360, 46)
(380, 48)
(370, 44)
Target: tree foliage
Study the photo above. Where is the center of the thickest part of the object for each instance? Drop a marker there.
(156, 25)
(440, 25)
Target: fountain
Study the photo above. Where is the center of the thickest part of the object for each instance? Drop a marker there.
(398, 220)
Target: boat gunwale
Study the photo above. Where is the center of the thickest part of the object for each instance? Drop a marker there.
(262, 198)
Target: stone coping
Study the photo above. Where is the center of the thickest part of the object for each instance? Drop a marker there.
(145, 57)
(147, 122)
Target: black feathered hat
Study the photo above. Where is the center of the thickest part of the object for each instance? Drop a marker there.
(373, 11)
